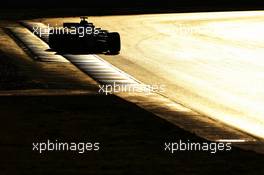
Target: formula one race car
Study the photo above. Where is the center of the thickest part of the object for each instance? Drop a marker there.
(84, 37)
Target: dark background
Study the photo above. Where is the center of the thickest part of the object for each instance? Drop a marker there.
(28, 9)
(137, 4)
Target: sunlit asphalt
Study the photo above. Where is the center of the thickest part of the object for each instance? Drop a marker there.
(212, 63)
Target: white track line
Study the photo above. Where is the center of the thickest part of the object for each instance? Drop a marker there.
(35, 46)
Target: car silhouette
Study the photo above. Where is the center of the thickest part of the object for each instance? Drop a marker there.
(84, 37)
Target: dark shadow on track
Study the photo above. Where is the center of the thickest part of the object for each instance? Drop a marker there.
(131, 139)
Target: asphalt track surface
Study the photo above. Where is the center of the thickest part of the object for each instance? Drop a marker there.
(130, 137)
(211, 63)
